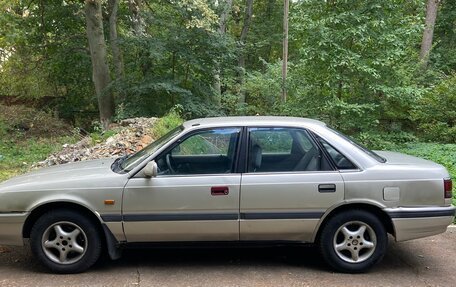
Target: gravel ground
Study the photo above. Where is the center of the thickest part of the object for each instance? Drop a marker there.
(423, 262)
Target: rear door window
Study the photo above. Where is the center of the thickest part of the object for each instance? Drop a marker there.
(282, 150)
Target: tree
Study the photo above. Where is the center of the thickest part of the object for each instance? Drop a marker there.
(428, 33)
(223, 19)
(242, 41)
(139, 27)
(286, 7)
(113, 38)
(100, 69)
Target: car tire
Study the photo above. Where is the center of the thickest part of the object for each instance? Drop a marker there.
(353, 241)
(65, 241)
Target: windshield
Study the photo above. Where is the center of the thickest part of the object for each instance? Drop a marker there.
(127, 163)
(361, 147)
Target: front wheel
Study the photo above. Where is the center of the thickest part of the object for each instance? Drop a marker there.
(65, 241)
(353, 241)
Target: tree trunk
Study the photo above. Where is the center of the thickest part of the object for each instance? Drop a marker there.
(269, 11)
(428, 33)
(100, 74)
(116, 53)
(139, 26)
(226, 9)
(285, 50)
(242, 42)
(139, 30)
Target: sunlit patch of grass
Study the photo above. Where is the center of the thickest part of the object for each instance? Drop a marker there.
(18, 154)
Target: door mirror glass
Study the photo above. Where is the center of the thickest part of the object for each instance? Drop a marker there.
(151, 169)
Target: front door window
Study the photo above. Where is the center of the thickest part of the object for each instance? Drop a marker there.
(205, 152)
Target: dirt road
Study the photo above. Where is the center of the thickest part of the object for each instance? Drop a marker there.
(423, 262)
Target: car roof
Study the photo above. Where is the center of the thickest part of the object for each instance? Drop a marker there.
(252, 121)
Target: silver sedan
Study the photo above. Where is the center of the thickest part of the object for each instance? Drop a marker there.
(235, 180)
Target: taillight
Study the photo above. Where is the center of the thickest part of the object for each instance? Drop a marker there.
(448, 187)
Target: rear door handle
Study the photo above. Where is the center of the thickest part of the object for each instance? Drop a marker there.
(327, 187)
(220, 190)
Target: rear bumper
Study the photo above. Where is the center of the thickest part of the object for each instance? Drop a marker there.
(11, 228)
(412, 223)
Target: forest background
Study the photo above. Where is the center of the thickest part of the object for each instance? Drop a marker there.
(383, 72)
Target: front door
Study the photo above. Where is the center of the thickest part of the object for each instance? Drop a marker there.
(288, 185)
(195, 196)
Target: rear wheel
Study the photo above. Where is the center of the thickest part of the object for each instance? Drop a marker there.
(353, 241)
(65, 241)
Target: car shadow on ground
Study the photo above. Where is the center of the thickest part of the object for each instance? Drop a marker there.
(306, 257)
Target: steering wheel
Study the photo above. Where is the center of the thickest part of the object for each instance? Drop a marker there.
(168, 163)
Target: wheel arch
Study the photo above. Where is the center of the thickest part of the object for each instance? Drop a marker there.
(369, 207)
(38, 211)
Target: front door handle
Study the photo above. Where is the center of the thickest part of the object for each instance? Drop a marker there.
(220, 190)
(328, 187)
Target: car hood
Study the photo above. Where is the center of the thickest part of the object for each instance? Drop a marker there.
(46, 177)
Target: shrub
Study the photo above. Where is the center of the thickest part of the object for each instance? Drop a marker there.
(171, 120)
(436, 114)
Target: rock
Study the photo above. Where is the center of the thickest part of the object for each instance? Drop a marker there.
(131, 136)
(146, 139)
(110, 140)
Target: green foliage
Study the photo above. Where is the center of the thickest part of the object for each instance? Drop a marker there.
(101, 136)
(167, 123)
(43, 56)
(18, 155)
(263, 89)
(443, 55)
(436, 112)
(28, 136)
(385, 141)
(353, 64)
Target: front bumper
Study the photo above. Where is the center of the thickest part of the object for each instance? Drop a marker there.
(11, 225)
(418, 222)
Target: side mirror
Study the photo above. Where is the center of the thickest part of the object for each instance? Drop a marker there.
(151, 169)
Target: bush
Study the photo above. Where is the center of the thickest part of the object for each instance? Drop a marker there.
(436, 113)
(167, 123)
(385, 141)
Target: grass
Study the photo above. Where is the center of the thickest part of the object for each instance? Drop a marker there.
(98, 137)
(18, 154)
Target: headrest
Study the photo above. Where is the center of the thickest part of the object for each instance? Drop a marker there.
(255, 157)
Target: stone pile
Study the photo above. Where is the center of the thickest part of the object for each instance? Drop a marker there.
(131, 135)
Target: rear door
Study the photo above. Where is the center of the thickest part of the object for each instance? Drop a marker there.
(288, 185)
